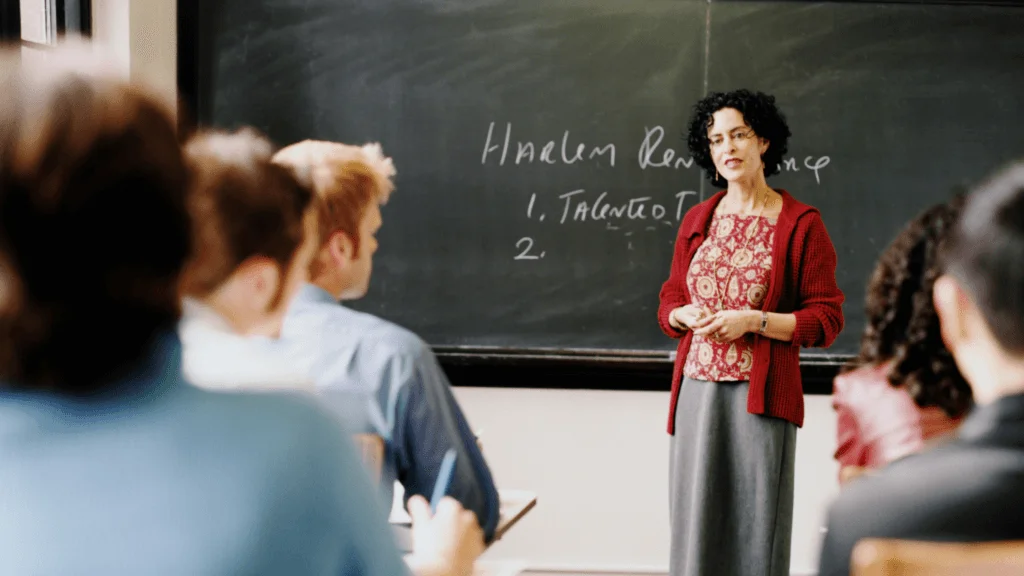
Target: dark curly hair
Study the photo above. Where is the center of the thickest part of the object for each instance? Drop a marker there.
(760, 113)
(902, 325)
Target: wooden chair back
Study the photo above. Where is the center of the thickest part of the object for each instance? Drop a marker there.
(371, 450)
(889, 557)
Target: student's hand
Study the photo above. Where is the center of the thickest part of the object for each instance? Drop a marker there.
(728, 325)
(690, 317)
(446, 543)
(848, 473)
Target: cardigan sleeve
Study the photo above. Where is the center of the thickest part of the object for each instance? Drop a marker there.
(819, 306)
(673, 291)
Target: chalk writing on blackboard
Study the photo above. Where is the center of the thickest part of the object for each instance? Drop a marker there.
(526, 152)
(581, 206)
(651, 153)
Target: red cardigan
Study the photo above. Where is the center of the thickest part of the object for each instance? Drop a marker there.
(805, 286)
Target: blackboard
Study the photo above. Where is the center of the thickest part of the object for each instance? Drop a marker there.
(490, 245)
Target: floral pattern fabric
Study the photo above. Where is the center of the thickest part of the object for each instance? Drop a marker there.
(730, 271)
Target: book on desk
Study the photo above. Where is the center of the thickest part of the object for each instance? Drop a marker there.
(513, 505)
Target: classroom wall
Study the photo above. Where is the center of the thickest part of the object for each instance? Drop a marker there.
(598, 461)
(141, 36)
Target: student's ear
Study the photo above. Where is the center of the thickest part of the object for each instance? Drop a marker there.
(950, 305)
(763, 144)
(261, 278)
(341, 249)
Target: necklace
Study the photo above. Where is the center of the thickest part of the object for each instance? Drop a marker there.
(750, 233)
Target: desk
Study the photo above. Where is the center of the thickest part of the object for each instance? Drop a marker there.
(513, 505)
(499, 567)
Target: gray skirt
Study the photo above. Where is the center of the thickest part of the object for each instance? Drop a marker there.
(731, 485)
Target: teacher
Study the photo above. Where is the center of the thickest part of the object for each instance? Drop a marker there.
(752, 280)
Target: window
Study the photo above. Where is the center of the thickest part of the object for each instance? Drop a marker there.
(39, 24)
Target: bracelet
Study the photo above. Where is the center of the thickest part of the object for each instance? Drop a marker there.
(764, 322)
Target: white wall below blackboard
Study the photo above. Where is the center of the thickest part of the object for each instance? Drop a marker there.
(599, 464)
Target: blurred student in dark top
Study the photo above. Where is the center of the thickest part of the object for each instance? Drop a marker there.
(971, 488)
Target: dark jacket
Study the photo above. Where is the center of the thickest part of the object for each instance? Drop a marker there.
(970, 489)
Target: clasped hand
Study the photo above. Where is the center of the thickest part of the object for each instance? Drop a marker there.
(721, 326)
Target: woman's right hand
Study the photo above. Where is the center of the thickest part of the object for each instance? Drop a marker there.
(690, 317)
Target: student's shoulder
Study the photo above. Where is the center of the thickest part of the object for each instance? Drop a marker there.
(917, 494)
(364, 323)
(865, 387)
(397, 340)
(266, 419)
(303, 453)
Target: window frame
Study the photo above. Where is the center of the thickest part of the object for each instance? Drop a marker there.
(70, 17)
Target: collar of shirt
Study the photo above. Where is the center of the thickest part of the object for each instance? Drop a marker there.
(157, 374)
(314, 293)
(194, 311)
(1001, 420)
(216, 357)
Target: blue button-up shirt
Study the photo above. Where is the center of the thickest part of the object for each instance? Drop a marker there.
(159, 477)
(385, 380)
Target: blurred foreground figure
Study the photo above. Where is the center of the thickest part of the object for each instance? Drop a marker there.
(109, 462)
(970, 489)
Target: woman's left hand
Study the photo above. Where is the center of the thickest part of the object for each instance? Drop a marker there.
(728, 325)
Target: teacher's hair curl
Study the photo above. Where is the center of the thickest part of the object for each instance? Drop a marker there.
(902, 325)
(760, 113)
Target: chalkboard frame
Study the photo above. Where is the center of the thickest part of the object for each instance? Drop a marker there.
(188, 68)
(532, 367)
(923, 2)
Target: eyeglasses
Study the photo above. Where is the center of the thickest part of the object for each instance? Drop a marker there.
(737, 135)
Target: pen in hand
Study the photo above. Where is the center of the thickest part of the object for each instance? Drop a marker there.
(444, 479)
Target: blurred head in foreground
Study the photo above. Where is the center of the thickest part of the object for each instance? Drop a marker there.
(980, 299)
(93, 224)
(254, 230)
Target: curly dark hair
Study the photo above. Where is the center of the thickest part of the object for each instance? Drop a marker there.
(902, 325)
(760, 113)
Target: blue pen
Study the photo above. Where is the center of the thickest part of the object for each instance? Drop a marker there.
(444, 479)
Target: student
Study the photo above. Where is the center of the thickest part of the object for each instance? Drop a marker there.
(254, 234)
(971, 488)
(383, 378)
(254, 229)
(111, 463)
(904, 389)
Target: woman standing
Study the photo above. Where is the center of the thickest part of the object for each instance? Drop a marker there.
(904, 389)
(752, 281)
